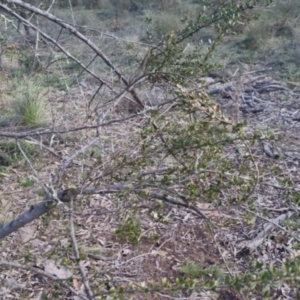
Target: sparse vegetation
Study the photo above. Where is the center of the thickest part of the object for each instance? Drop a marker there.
(157, 145)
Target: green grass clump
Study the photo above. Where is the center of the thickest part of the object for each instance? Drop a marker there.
(29, 105)
(192, 269)
(130, 230)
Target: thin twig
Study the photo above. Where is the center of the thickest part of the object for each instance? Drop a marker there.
(77, 254)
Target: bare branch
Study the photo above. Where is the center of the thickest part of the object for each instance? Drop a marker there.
(67, 195)
(33, 213)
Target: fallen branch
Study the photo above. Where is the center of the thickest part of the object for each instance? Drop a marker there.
(66, 196)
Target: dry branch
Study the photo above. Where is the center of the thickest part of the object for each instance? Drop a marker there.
(33, 213)
(66, 196)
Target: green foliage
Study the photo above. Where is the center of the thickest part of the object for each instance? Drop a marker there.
(29, 106)
(193, 270)
(264, 278)
(26, 182)
(129, 229)
(261, 278)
